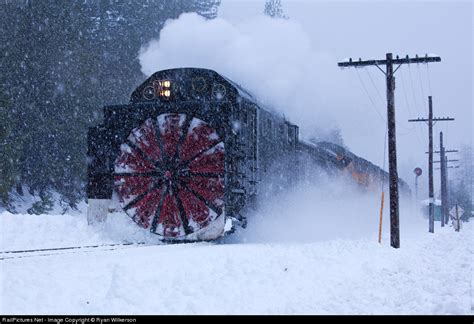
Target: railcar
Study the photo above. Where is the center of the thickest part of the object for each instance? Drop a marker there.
(192, 150)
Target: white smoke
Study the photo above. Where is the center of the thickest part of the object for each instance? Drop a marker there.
(273, 58)
(330, 209)
(276, 60)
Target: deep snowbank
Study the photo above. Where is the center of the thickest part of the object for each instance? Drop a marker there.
(332, 209)
(25, 232)
(429, 274)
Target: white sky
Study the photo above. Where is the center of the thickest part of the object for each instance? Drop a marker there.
(370, 29)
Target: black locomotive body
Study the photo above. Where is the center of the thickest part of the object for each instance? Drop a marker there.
(192, 149)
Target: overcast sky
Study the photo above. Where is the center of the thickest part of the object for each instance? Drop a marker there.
(356, 99)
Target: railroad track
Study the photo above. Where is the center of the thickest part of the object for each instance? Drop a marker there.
(19, 254)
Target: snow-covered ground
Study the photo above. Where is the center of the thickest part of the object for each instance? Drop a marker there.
(429, 274)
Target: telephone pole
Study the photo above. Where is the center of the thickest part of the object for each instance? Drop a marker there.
(447, 189)
(392, 147)
(446, 167)
(444, 181)
(444, 184)
(443, 161)
(430, 121)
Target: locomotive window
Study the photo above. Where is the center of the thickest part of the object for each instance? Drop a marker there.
(198, 84)
(281, 129)
(269, 127)
(291, 135)
(244, 117)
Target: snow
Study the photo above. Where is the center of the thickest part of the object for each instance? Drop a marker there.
(426, 202)
(273, 58)
(22, 203)
(24, 232)
(429, 274)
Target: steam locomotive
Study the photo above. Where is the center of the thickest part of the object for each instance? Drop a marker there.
(193, 150)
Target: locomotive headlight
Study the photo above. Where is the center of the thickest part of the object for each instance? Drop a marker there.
(149, 93)
(218, 91)
(165, 93)
(163, 88)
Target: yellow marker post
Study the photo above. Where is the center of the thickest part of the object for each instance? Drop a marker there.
(380, 221)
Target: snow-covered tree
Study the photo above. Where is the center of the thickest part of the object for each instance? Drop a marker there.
(460, 188)
(206, 8)
(274, 9)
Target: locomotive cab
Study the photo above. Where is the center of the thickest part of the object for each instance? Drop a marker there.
(163, 156)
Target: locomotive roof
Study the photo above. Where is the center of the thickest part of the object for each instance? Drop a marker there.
(242, 92)
(191, 72)
(334, 150)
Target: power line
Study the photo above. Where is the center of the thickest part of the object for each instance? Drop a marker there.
(421, 140)
(417, 107)
(421, 81)
(405, 91)
(369, 96)
(373, 84)
(409, 130)
(413, 88)
(429, 78)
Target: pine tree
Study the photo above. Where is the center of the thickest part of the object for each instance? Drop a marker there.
(461, 189)
(206, 8)
(61, 63)
(8, 153)
(274, 9)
